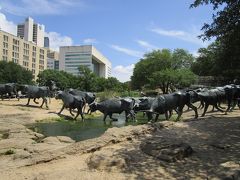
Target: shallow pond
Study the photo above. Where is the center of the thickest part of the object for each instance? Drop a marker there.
(92, 127)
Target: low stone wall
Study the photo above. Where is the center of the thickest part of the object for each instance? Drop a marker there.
(212, 81)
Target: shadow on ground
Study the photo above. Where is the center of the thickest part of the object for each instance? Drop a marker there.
(215, 142)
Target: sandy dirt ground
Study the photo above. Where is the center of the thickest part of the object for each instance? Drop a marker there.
(117, 154)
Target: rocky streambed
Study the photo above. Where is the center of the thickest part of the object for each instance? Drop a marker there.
(206, 148)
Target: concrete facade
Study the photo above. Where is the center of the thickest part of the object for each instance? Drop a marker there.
(71, 57)
(52, 60)
(24, 53)
(30, 31)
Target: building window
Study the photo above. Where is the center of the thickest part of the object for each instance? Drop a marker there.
(5, 45)
(5, 38)
(4, 58)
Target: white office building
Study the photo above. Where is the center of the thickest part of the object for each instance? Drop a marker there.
(71, 57)
(30, 31)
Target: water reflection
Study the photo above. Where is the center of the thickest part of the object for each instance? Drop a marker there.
(78, 130)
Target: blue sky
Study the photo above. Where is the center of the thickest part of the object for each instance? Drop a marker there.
(123, 30)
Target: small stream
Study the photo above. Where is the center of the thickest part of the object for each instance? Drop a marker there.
(78, 130)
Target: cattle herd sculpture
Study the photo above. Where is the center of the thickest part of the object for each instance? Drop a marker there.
(161, 104)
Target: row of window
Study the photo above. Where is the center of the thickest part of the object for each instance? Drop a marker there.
(79, 54)
(75, 65)
(16, 55)
(78, 58)
(4, 58)
(5, 51)
(5, 38)
(5, 45)
(74, 62)
(26, 52)
(15, 60)
(15, 41)
(15, 48)
(25, 63)
(26, 46)
(41, 62)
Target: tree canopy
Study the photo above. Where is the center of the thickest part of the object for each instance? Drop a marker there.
(86, 81)
(11, 72)
(63, 79)
(225, 27)
(164, 69)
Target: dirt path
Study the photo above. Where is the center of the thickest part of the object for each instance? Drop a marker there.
(118, 154)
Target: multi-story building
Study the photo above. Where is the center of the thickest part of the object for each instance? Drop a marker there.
(52, 60)
(30, 31)
(46, 42)
(24, 53)
(52, 64)
(71, 57)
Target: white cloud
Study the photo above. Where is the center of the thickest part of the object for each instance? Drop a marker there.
(129, 52)
(146, 45)
(182, 35)
(168, 32)
(39, 7)
(56, 40)
(90, 41)
(123, 73)
(7, 26)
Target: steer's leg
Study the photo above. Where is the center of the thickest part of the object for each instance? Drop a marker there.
(78, 112)
(61, 109)
(166, 115)
(194, 108)
(156, 117)
(170, 114)
(234, 105)
(229, 105)
(213, 108)
(216, 106)
(205, 109)
(104, 118)
(149, 115)
(219, 105)
(44, 101)
(34, 100)
(28, 102)
(114, 119)
(126, 116)
(201, 105)
(81, 113)
(70, 110)
(179, 113)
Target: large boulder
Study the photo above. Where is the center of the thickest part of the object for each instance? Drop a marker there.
(107, 160)
(166, 150)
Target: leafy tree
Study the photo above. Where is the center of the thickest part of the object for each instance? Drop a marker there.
(206, 63)
(11, 72)
(154, 61)
(225, 27)
(87, 79)
(164, 69)
(63, 79)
